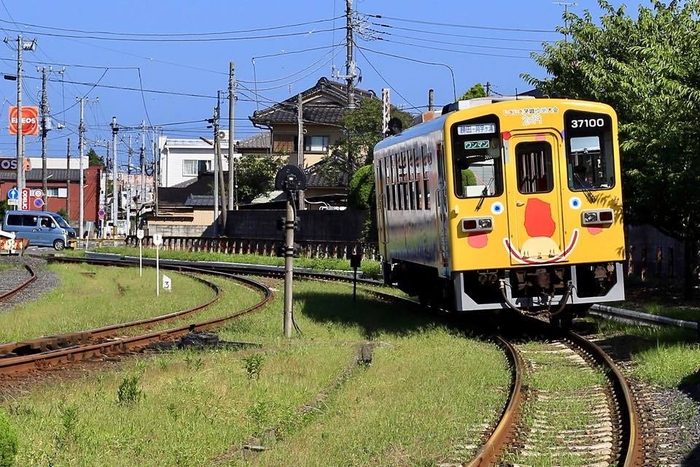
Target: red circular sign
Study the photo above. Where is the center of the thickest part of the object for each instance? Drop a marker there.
(30, 120)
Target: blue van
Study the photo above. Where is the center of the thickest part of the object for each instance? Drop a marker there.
(41, 228)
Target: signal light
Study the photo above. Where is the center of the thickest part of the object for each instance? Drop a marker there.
(597, 217)
(476, 224)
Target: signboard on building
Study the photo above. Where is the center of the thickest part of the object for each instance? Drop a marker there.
(30, 120)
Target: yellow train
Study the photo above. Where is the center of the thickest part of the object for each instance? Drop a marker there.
(504, 203)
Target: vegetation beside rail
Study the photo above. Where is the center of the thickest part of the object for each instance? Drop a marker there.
(90, 296)
(305, 399)
(665, 356)
(368, 268)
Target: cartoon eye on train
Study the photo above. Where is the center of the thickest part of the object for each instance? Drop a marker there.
(509, 203)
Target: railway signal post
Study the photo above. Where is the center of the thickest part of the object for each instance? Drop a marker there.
(291, 180)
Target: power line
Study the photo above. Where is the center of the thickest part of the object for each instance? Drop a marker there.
(175, 39)
(443, 33)
(170, 35)
(465, 26)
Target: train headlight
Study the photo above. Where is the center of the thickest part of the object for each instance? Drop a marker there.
(597, 217)
(476, 224)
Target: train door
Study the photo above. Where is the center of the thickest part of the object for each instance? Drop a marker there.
(382, 182)
(536, 233)
(441, 207)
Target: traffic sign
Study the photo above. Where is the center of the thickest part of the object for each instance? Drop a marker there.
(38, 202)
(101, 214)
(24, 199)
(13, 193)
(37, 193)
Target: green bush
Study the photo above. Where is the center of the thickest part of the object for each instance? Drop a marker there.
(8, 441)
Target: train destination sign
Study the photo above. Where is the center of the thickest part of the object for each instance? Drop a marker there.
(477, 144)
(477, 129)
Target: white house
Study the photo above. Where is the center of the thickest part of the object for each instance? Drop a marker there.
(182, 159)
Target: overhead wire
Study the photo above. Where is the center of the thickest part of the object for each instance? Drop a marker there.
(382, 77)
(165, 34)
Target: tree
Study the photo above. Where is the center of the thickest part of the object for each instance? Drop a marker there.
(645, 68)
(363, 130)
(256, 176)
(94, 159)
(475, 91)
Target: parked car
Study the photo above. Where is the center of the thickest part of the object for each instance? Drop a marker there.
(41, 228)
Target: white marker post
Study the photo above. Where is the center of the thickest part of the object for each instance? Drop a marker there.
(139, 235)
(157, 241)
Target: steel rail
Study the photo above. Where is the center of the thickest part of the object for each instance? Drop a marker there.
(488, 454)
(632, 444)
(127, 344)
(23, 285)
(58, 341)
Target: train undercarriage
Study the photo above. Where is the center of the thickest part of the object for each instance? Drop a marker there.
(558, 292)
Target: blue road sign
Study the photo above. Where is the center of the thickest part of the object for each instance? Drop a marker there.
(38, 202)
(13, 193)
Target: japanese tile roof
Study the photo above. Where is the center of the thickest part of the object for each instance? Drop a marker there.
(36, 175)
(325, 103)
(259, 141)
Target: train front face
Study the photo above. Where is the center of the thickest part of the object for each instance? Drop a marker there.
(535, 206)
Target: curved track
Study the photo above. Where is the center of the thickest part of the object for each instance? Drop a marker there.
(55, 350)
(500, 437)
(21, 286)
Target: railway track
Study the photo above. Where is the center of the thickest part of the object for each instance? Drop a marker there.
(22, 281)
(567, 424)
(616, 441)
(50, 351)
(613, 435)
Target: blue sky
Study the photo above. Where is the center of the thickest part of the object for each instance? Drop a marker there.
(164, 62)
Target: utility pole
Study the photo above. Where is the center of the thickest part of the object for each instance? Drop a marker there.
(142, 155)
(115, 181)
(156, 171)
(300, 146)
(566, 6)
(45, 127)
(81, 148)
(219, 161)
(488, 89)
(68, 180)
(232, 188)
(349, 64)
(215, 126)
(21, 46)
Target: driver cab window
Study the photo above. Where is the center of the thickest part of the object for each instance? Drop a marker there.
(476, 152)
(589, 151)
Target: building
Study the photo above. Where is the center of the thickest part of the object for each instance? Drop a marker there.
(63, 192)
(323, 107)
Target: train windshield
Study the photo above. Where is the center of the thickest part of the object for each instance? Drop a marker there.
(589, 151)
(476, 158)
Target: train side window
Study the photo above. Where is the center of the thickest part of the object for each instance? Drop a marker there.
(533, 162)
(419, 179)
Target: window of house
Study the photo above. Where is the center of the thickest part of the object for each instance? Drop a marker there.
(55, 192)
(316, 143)
(190, 167)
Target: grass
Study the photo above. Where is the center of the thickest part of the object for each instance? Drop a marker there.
(304, 399)
(91, 296)
(369, 268)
